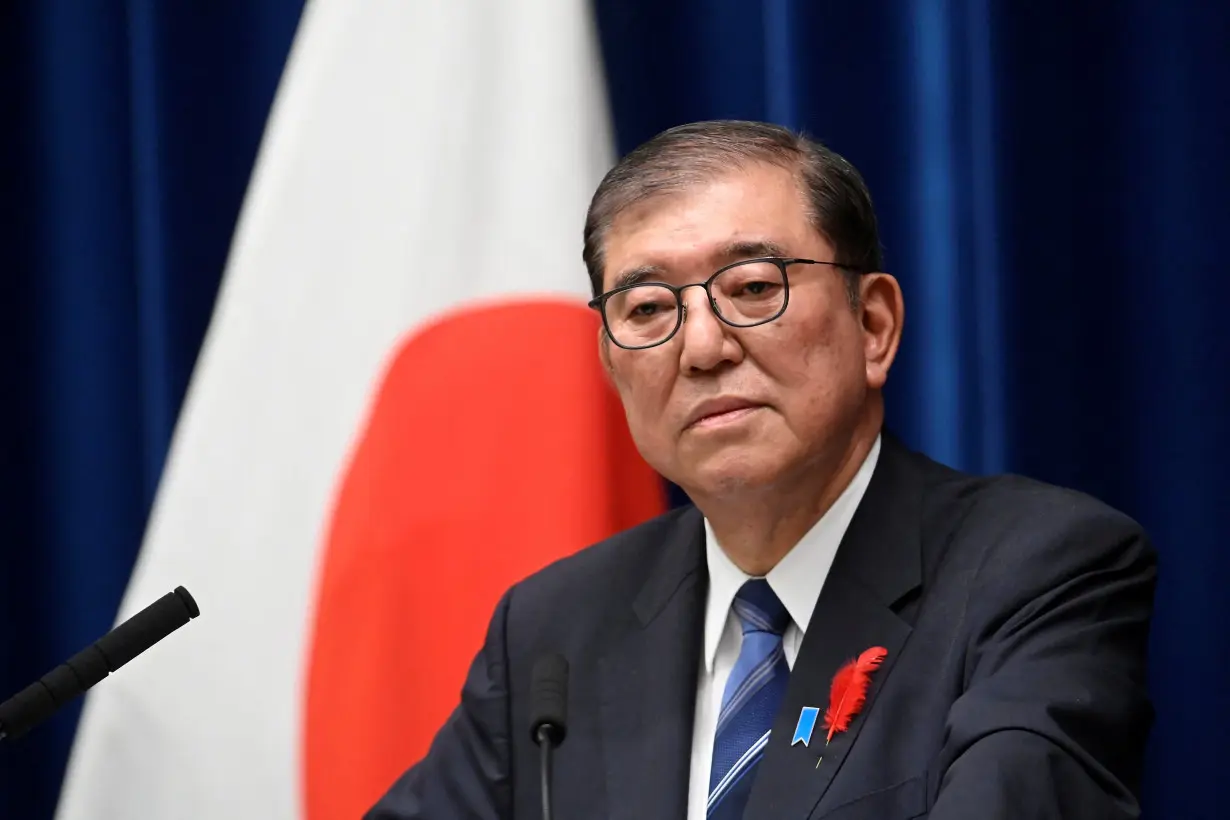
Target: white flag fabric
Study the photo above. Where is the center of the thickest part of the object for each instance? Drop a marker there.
(403, 293)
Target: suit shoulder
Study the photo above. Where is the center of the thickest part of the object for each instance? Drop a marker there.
(611, 563)
(1011, 524)
(1029, 505)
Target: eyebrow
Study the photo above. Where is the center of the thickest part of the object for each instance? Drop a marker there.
(750, 249)
(742, 249)
(639, 274)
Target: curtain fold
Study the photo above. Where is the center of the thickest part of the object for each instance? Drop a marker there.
(128, 135)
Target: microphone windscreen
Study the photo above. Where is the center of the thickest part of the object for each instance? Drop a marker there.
(549, 697)
(41, 699)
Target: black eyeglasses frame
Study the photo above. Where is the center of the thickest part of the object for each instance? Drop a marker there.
(681, 310)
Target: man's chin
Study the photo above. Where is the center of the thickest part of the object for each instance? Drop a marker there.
(732, 474)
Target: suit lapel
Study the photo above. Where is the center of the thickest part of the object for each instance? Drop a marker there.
(649, 684)
(878, 563)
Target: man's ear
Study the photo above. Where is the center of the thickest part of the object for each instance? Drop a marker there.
(882, 314)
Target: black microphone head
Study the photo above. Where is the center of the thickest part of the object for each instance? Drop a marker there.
(189, 602)
(549, 699)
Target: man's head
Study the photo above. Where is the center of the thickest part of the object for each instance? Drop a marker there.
(692, 201)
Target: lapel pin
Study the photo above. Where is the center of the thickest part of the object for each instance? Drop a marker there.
(849, 693)
(806, 725)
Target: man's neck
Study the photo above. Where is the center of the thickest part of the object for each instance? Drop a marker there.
(757, 532)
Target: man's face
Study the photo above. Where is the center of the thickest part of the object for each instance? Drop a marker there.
(804, 376)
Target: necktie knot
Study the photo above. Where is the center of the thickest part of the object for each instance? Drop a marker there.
(759, 609)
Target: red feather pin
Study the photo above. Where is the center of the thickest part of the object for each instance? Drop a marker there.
(849, 691)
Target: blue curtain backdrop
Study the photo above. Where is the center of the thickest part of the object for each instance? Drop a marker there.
(1051, 180)
(128, 136)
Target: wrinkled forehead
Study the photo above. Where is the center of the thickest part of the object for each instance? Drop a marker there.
(759, 211)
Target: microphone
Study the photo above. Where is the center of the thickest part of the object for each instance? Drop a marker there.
(548, 715)
(41, 699)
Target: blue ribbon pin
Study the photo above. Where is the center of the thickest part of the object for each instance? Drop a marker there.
(806, 725)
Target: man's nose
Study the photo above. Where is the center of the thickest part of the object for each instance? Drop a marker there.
(704, 334)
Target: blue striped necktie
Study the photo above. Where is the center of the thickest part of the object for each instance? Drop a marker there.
(750, 701)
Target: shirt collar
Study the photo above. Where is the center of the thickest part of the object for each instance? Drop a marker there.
(799, 576)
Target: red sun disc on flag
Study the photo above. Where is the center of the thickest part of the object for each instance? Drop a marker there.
(493, 446)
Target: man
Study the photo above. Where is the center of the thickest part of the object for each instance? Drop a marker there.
(1001, 623)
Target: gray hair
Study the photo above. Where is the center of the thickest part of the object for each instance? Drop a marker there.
(839, 202)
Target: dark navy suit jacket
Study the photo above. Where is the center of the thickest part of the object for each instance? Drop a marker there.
(1015, 615)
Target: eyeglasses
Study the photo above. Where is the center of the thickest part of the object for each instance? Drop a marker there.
(745, 294)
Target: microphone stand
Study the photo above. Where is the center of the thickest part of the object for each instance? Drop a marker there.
(546, 744)
(548, 716)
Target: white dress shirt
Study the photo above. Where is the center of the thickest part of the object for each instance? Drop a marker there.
(796, 580)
